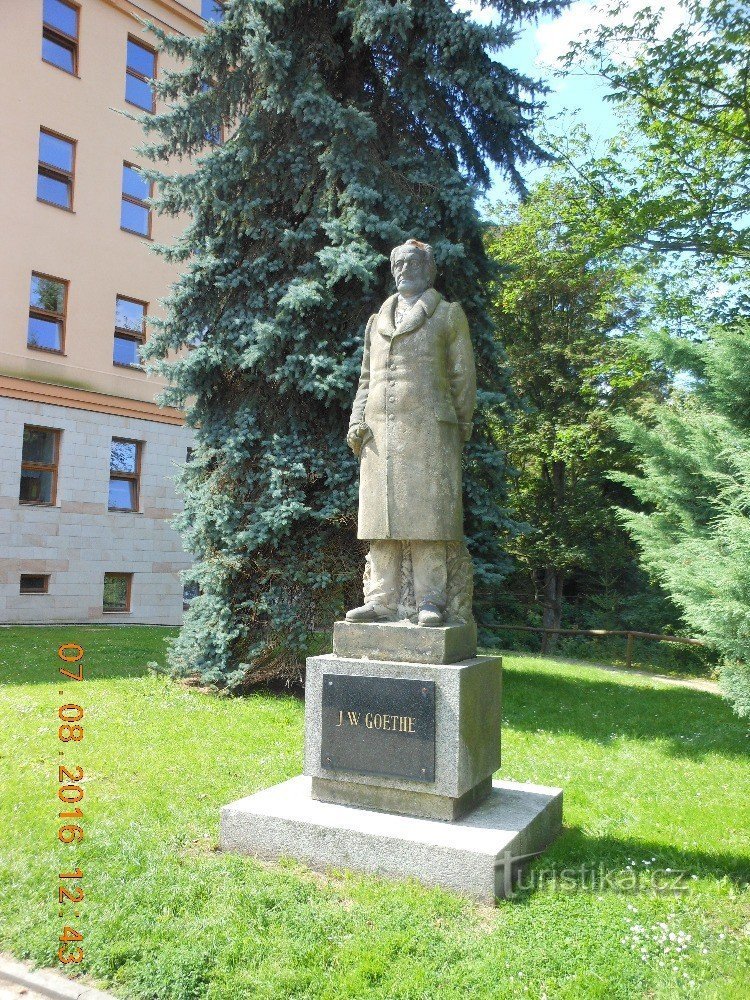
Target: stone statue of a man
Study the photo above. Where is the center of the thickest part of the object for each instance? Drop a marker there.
(411, 415)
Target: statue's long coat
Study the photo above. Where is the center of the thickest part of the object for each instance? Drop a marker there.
(417, 393)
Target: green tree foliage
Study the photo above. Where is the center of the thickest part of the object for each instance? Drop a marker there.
(679, 178)
(695, 484)
(674, 192)
(350, 126)
(563, 314)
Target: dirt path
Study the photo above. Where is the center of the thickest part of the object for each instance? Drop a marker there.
(694, 683)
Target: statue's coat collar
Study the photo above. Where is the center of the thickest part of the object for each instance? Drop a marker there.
(421, 310)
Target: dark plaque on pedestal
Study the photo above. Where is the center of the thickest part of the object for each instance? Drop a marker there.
(378, 725)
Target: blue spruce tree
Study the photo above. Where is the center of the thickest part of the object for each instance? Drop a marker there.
(350, 126)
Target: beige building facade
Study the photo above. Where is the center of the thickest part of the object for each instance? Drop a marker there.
(87, 459)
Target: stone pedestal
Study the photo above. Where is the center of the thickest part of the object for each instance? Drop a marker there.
(465, 737)
(402, 737)
(399, 641)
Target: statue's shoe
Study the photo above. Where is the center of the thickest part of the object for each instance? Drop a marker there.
(370, 613)
(430, 615)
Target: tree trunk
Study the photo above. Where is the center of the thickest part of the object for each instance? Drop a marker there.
(552, 588)
(552, 607)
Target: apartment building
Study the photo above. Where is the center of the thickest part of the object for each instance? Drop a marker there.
(87, 458)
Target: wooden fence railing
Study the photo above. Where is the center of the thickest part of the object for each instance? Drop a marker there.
(631, 635)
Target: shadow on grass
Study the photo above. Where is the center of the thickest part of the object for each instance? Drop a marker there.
(693, 723)
(581, 862)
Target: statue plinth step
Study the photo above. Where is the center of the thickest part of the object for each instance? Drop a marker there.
(403, 641)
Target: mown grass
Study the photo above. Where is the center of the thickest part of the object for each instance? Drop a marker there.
(654, 778)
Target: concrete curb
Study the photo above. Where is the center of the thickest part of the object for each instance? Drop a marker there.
(47, 982)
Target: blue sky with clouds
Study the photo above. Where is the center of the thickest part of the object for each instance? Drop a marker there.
(537, 53)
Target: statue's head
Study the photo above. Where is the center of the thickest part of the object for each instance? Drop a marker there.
(413, 266)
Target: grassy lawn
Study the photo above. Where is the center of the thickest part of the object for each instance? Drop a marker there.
(654, 778)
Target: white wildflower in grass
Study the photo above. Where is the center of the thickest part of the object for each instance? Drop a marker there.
(663, 944)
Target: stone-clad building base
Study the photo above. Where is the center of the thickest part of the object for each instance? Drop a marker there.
(76, 540)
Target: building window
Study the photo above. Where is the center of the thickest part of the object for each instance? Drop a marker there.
(39, 457)
(47, 305)
(54, 182)
(130, 331)
(124, 474)
(140, 69)
(197, 339)
(212, 10)
(135, 214)
(60, 35)
(214, 134)
(34, 583)
(117, 588)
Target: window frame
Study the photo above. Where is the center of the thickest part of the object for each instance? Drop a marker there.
(46, 314)
(138, 75)
(128, 334)
(58, 173)
(43, 466)
(131, 477)
(63, 39)
(43, 576)
(128, 593)
(137, 201)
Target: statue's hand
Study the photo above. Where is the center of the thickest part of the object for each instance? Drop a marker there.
(466, 430)
(357, 436)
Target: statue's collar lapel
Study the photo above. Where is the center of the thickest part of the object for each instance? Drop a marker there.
(422, 309)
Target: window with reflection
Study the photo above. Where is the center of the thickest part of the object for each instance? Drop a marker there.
(212, 10)
(197, 339)
(39, 460)
(47, 304)
(124, 474)
(189, 593)
(117, 590)
(56, 169)
(60, 34)
(141, 67)
(135, 213)
(130, 331)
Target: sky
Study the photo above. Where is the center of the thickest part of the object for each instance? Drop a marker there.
(538, 52)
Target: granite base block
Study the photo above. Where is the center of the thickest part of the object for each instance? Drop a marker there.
(405, 641)
(477, 856)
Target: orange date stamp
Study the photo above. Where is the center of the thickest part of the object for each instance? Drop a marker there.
(70, 793)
